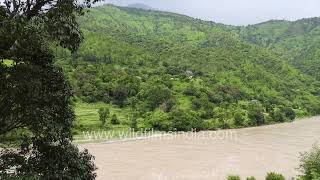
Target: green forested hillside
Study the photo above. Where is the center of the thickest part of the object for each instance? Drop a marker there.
(176, 72)
(298, 42)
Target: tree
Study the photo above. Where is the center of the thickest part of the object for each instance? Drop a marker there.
(159, 120)
(126, 86)
(196, 104)
(63, 161)
(103, 115)
(34, 96)
(255, 113)
(156, 95)
(26, 24)
(185, 120)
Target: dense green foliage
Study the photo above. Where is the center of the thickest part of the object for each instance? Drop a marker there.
(251, 178)
(175, 72)
(275, 176)
(297, 42)
(104, 113)
(310, 164)
(34, 95)
(234, 177)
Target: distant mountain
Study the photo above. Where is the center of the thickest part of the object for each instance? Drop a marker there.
(140, 6)
(298, 42)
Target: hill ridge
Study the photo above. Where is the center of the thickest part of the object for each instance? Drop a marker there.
(181, 72)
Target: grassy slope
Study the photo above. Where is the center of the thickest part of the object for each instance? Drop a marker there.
(87, 121)
(88, 116)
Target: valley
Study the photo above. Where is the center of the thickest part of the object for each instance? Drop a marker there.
(147, 94)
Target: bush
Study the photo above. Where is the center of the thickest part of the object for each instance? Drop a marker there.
(255, 113)
(134, 121)
(225, 123)
(103, 115)
(278, 116)
(159, 120)
(289, 113)
(114, 119)
(211, 124)
(274, 176)
(238, 119)
(185, 120)
(234, 177)
(157, 95)
(191, 90)
(251, 178)
(196, 104)
(310, 164)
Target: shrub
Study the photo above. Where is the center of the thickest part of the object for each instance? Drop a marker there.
(196, 104)
(157, 95)
(310, 164)
(103, 115)
(191, 90)
(225, 123)
(159, 120)
(211, 124)
(275, 176)
(255, 113)
(251, 178)
(278, 116)
(239, 119)
(134, 121)
(289, 113)
(234, 177)
(114, 119)
(185, 120)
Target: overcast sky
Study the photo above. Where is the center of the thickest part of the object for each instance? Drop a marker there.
(236, 12)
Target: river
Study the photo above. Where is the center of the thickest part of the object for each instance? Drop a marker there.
(245, 152)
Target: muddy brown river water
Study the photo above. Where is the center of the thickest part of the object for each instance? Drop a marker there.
(209, 155)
